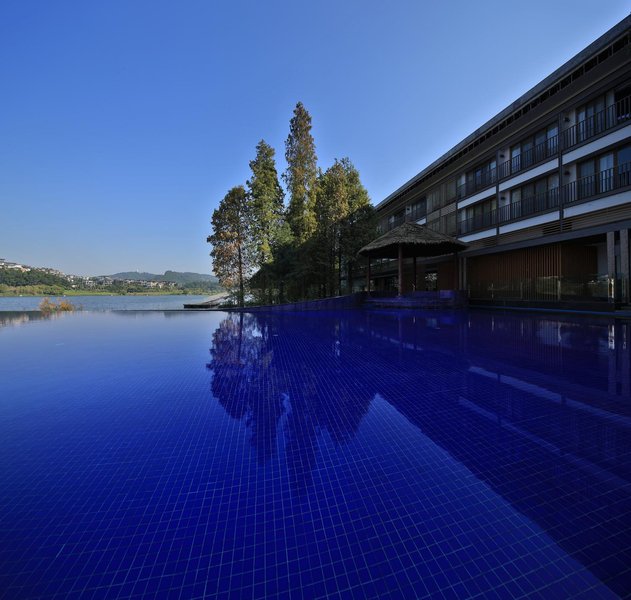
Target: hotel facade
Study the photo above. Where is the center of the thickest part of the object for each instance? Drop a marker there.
(541, 194)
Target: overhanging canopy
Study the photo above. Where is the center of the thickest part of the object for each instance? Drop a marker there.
(414, 240)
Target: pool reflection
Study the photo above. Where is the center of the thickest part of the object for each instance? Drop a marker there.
(537, 407)
(294, 396)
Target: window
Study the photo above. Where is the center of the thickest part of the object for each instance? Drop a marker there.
(586, 180)
(591, 118)
(526, 154)
(541, 146)
(417, 210)
(515, 203)
(532, 198)
(596, 175)
(624, 166)
(552, 139)
(515, 156)
(553, 190)
(605, 176)
(482, 176)
(622, 98)
(451, 190)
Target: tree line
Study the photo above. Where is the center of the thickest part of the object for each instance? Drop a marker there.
(274, 252)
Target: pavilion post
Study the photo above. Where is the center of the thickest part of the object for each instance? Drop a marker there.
(400, 269)
(414, 267)
(368, 276)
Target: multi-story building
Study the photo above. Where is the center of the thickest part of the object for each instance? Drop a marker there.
(541, 193)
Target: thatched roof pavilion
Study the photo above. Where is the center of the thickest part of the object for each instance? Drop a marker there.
(410, 240)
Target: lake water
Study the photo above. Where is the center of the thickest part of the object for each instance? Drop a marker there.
(174, 302)
(350, 454)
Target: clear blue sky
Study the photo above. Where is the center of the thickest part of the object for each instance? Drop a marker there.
(124, 123)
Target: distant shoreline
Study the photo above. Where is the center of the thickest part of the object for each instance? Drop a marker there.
(15, 294)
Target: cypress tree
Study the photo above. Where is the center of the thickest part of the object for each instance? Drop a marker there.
(266, 206)
(300, 176)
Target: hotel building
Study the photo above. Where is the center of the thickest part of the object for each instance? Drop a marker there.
(541, 193)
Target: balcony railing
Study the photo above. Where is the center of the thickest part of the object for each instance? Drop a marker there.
(598, 183)
(478, 222)
(516, 210)
(585, 188)
(480, 181)
(417, 212)
(531, 157)
(597, 123)
(390, 224)
(530, 206)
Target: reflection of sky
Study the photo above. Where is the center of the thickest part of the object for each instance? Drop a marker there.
(356, 451)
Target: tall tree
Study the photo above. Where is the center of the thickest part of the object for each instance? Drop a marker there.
(266, 205)
(231, 241)
(359, 225)
(345, 224)
(331, 207)
(300, 176)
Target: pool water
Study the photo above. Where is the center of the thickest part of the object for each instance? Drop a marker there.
(357, 454)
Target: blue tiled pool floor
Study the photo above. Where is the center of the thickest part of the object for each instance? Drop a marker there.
(342, 455)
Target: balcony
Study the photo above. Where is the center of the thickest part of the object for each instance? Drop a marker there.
(602, 121)
(511, 212)
(531, 157)
(480, 181)
(586, 188)
(390, 224)
(417, 213)
(598, 183)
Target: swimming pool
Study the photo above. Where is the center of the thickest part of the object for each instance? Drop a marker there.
(357, 454)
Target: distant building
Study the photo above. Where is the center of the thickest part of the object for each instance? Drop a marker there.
(541, 192)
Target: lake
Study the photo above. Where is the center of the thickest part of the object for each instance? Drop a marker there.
(167, 302)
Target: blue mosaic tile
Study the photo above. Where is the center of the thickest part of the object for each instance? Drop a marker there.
(357, 454)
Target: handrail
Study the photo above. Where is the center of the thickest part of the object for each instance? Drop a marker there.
(606, 119)
(581, 189)
(530, 157)
(486, 178)
(598, 183)
(516, 210)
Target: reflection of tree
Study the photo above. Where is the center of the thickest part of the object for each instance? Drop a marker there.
(8, 318)
(265, 368)
(242, 379)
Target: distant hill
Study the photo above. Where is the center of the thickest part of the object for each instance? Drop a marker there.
(173, 276)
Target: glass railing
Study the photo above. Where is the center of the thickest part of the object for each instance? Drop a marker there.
(598, 183)
(530, 157)
(552, 288)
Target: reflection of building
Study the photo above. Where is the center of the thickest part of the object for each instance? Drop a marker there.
(536, 408)
(541, 192)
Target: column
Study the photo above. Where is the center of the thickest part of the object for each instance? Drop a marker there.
(368, 276)
(400, 269)
(611, 266)
(625, 271)
(414, 267)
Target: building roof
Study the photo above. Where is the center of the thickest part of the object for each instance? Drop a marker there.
(594, 48)
(416, 240)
